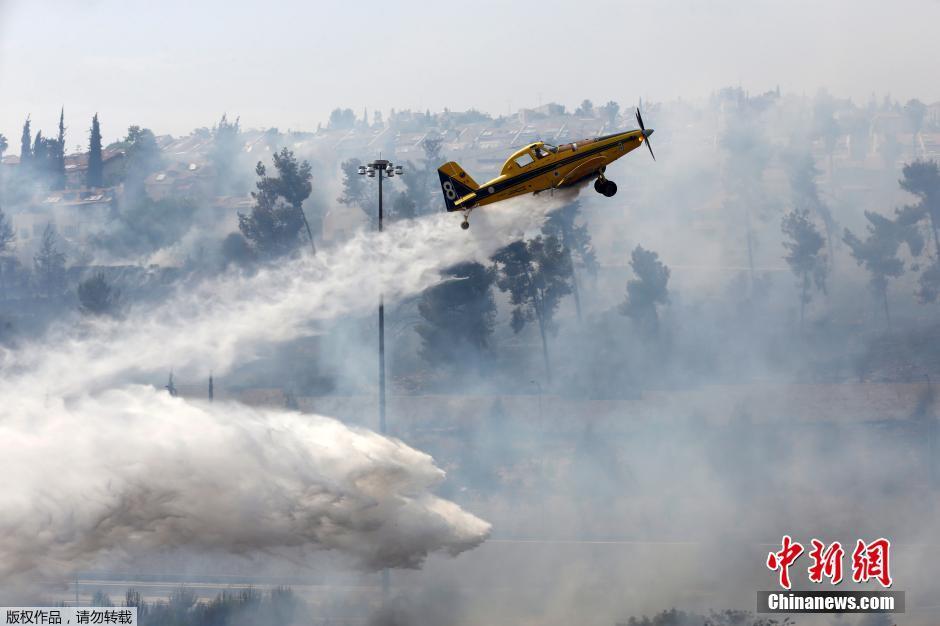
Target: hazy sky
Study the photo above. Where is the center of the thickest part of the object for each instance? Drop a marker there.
(174, 65)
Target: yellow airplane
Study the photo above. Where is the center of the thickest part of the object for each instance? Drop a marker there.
(540, 166)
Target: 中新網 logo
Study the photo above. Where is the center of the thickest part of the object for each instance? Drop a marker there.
(870, 561)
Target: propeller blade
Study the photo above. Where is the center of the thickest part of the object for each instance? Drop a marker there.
(646, 134)
(650, 147)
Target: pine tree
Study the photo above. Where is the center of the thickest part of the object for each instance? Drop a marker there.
(878, 252)
(50, 264)
(26, 150)
(458, 317)
(95, 174)
(7, 236)
(647, 291)
(355, 191)
(224, 154)
(537, 275)
(577, 242)
(274, 225)
(40, 158)
(804, 245)
(57, 156)
(97, 297)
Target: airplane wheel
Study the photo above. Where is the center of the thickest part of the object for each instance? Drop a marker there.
(610, 188)
(465, 225)
(599, 185)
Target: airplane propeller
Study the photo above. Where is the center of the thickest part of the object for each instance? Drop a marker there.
(646, 133)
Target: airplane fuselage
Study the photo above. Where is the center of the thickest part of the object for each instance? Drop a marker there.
(536, 168)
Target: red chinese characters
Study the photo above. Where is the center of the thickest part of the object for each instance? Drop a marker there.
(782, 560)
(871, 561)
(827, 562)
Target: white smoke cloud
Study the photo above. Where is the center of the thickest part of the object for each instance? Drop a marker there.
(98, 467)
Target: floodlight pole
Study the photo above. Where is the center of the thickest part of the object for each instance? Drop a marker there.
(382, 427)
(382, 168)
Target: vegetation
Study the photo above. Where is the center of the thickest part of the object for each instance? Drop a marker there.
(647, 291)
(95, 172)
(97, 297)
(50, 264)
(878, 252)
(274, 226)
(804, 246)
(458, 317)
(537, 275)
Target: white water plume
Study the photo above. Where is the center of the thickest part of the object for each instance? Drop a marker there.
(96, 467)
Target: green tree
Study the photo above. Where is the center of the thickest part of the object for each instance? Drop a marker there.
(922, 178)
(143, 159)
(342, 119)
(826, 127)
(747, 153)
(26, 150)
(610, 111)
(95, 172)
(57, 155)
(7, 236)
(537, 275)
(97, 297)
(577, 242)
(586, 109)
(928, 283)
(273, 228)
(50, 264)
(223, 155)
(878, 252)
(458, 317)
(403, 207)
(804, 245)
(39, 161)
(802, 172)
(356, 191)
(140, 226)
(647, 291)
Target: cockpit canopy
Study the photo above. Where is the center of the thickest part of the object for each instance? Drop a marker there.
(526, 156)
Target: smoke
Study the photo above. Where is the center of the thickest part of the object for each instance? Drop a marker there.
(99, 467)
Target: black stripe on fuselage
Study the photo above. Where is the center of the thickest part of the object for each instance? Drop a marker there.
(524, 176)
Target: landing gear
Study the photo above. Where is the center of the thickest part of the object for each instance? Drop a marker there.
(465, 224)
(605, 187)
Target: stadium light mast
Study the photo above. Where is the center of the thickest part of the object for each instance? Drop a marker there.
(381, 168)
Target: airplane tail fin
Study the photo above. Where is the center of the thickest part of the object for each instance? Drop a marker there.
(455, 183)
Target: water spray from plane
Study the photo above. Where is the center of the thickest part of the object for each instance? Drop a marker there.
(103, 468)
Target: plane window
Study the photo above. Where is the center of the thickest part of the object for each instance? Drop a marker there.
(524, 159)
(547, 147)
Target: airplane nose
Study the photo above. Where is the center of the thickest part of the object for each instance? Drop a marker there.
(648, 132)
